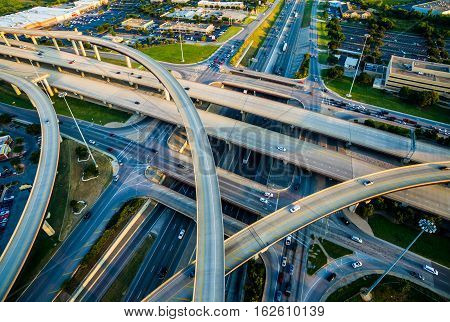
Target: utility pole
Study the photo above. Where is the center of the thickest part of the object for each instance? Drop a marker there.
(426, 226)
(63, 96)
(357, 66)
(181, 44)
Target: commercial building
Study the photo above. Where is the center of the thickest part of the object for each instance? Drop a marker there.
(5, 147)
(221, 4)
(356, 14)
(440, 7)
(189, 28)
(419, 75)
(137, 24)
(42, 17)
(205, 14)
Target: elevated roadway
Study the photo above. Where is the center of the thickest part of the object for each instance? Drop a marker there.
(209, 280)
(256, 238)
(306, 155)
(16, 251)
(361, 135)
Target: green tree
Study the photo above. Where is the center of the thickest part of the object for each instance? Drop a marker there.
(365, 78)
(34, 157)
(335, 72)
(81, 152)
(5, 118)
(33, 129)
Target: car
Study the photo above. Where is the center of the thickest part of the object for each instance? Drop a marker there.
(162, 273)
(288, 240)
(284, 261)
(112, 135)
(181, 234)
(264, 200)
(356, 264)
(345, 221)
(291, 269)
(278, 296)
(281, 148)
(331, 277)
(368, 183)
(179, 165)
(431, 269)
(72, 62)
(187, 88)
(443, 168)
(356, 239)
(294, 209)
(417, 275)
(116, 178)
(192, 274)
(117, 73)
(268, 194)
(92, 142)
(87, 215)
(110, 149)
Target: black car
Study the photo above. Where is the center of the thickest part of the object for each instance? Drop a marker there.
(87, 215)
(416, 275)
(179, 165)
(192, 274)
(345, 221)
(331, 277)
(162, 273)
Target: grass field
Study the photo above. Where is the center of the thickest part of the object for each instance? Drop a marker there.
(434, 247)
(258, 37)
(334, 250)
(306, 20)
(172, 54)
(316, 259)
(323, 58)
(120, 286)
(230, 32)
(82, 110)
(322, 35)
(391, 289)
(370, 95)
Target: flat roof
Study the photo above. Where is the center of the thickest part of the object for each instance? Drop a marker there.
(405, 66)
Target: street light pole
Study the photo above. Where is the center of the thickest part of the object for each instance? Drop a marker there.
(181, 45)
(357, 66)
(425, 226)
(63, 95)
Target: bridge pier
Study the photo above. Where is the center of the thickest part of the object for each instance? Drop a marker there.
(97, 54)
(16, 89)
(75, 48)
(166, 95)
(15, 37)
(55, 43)
(2, 34)
(243, 116)
(80, 44)
(47, 86)
(59, 69)
(128, 61)
(33, 39)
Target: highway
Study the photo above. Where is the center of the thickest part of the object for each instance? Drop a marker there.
(357, 134)
(16, 252)
(209, 280)
(303, 154)
(257, 237)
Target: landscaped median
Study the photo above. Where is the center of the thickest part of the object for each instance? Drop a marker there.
(256, 39)
(306, 20)
(171, 53)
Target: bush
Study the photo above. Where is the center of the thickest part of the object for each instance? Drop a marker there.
(365, 79)
(34, 157)
(33, 129)
(18, 149)
(90, 170)
(5, 118)
(19, 140)
(335, 72)
(81, 152)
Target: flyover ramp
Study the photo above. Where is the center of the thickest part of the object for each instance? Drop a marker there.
(18, 247)
(256, 238)
(306, 155)
(358, 134)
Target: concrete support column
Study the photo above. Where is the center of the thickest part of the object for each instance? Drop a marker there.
(33, 39)
(2, 34)
(285, 162)
(37, 64)
(55, 43)
(243, 115)
(82, 74)
(55, 90)
(166, 95)
(135, 86)
(81, 97)
(97, 55)
(17, 60)
(75, 48)
(128, 61)
(109, 105)
(15, 37)
(16, 89)
(59, 69)
(108, 80)
(47, 86)
(80, 44)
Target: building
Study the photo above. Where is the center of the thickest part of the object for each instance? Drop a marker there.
(419, 76)
(221, 4)
(356, 14)
(440, 7)
(42, 17)
(350, 63)
(189, 28)
(205, 14)
(5, 147)
(137, 24)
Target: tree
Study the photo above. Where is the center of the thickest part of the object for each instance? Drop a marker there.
(34, 157)
(81, 152)
(332, 60)
(365, 210)
(19, 140)
(5, 118)
(427, 98)
(365, 79)
(90, 170)
(335, 72)
(33, 129)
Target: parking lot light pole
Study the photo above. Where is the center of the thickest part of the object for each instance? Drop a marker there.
(357, 66)
(63, 96)
(426, 226)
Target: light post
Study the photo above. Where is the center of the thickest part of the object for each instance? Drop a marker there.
(357, 66)
(425, 226)
(181, 44)
(63, 96)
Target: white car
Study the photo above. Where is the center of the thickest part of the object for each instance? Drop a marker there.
(288, 240)
(268, 194)
(281, 148)
(356, 264)
(264, 200)
(357, 239)
(284, 261)
(294, 209)
(181, 234)
(116, 178)
(368, 183)
(431, 270)
(92, 142)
